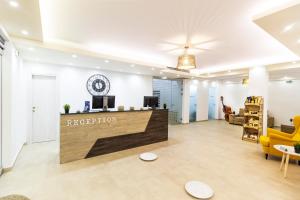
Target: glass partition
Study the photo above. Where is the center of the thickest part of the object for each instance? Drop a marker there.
(169, 92)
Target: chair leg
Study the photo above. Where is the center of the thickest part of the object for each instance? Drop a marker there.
(267, 155)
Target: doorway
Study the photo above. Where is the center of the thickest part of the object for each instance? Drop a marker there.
(44, 109)
(212, 103)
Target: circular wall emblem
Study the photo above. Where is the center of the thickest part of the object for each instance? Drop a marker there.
(98, 85)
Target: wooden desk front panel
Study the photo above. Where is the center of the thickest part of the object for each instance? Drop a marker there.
(92, 134)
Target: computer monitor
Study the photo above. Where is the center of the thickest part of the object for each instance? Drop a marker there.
(99, 102)
(110, 101)
(151, 101)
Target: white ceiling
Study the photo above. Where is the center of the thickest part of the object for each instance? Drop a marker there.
(147, 33)
(26, 16)
(284, 25)
(63, 58)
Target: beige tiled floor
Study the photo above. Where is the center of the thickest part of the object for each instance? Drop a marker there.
(212, 152)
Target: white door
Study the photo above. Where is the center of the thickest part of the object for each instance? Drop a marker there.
(44, 109)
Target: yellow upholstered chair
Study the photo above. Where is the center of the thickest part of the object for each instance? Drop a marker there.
(277, 137)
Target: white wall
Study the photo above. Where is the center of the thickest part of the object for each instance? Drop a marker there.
(129, 89)
(234, 96)
(14, 102)
(284, 100)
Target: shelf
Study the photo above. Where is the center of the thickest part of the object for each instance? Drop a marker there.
(252, 104)
(253, 115)
(250, 139)
(252, 127)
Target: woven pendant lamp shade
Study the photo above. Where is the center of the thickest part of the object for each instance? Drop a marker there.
(186, 61)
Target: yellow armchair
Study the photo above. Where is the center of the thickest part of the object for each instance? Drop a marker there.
(277, 137)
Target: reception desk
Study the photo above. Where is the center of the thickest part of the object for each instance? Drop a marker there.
(85, 135)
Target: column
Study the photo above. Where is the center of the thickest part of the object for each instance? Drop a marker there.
(202, 101)
(258, 86)
(186, 101)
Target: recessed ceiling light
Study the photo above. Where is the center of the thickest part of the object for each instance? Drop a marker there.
(164, 77)
(107, 61)
(288, 28)
(298, 41)
(178, 75)
(14, 4)
(161, 73)
(74, 56)
(31, 49)
(97, 67)
(152, 69)
(229, 71)
(294, 62)
(24, 32)
(132, 65)
(192, 78)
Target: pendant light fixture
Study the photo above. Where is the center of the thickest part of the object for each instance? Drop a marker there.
(186, 61)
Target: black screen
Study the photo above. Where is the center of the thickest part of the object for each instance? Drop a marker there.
(97, 102)
(111, 101)
(150, 101)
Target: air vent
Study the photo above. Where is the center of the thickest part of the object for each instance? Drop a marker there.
(2, 42)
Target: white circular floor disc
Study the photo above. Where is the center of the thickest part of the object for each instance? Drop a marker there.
(148, 156)
(199, 190)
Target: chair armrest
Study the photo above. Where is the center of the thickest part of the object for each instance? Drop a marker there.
(277, 139)
(280, 137)
(277, 132)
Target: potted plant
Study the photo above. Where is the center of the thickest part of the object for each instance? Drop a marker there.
(165, 106)
(67, 108)
(297, 147)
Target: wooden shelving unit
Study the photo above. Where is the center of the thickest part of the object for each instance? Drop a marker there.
(253, 126)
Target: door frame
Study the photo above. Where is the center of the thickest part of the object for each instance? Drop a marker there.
(30, 135)
(1, 144)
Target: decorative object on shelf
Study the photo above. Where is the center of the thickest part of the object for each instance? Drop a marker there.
(165, 106)
(226, 109)
(297, 148)
(67, 108)
(121, 108)
(253, 114)
(98, 85)
(87, 106)
(186, 61)
(198, 190)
